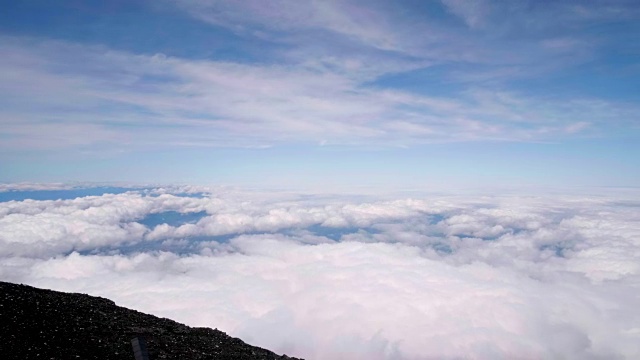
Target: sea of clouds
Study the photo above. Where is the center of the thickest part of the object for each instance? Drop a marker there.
(425, 276)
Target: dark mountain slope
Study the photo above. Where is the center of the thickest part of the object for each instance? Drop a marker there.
(45, 324)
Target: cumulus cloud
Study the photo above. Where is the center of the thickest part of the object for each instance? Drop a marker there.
(48, 228)
(332, 277)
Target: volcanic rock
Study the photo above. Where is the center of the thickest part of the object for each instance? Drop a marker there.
(45, 324)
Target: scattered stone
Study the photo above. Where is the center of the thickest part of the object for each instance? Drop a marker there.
(45, 324)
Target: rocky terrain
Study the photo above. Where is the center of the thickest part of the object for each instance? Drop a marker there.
(45, 324)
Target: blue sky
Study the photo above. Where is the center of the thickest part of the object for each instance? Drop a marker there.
(400, 94)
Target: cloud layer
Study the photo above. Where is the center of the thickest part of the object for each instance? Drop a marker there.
(335, 277)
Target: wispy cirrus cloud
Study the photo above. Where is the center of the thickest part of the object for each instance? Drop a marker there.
(361, 22)
(232, 77)
(83, 97)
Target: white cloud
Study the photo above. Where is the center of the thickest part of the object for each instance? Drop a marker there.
(359, 21)
(431, 277)
(26, 186)
(179, 102)
(474, 13)
(48, 228)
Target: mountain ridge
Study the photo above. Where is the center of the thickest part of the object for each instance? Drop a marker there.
(38, 323)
